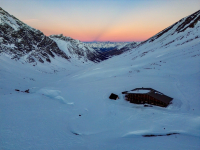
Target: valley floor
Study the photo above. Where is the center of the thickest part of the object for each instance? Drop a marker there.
(69, 108)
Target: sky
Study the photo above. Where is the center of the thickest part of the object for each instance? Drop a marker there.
(101, 20)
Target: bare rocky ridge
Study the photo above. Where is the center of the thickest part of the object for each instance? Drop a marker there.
(78, 49)
(19, 40)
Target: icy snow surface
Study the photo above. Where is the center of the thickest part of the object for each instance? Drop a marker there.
(139, 91)
(68, 106)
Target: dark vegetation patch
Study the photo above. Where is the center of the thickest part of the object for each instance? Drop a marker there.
(188, 40)
(196, 55)
(169, 43)
(134, 58)
(155, 135)
(26, 91)
(75, 133)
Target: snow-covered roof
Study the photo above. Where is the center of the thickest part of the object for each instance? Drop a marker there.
(151, 92)
(142, 91)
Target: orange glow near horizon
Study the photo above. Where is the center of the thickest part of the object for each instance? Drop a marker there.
(116, 21)
(122, 34)
(113, 36)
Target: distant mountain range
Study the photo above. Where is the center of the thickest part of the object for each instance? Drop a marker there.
(63, 101)
(76, 49)
(105, 46)
(22, 42)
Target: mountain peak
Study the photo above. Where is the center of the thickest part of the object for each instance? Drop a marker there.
(77, 49)
(21, 41)
(61, 36)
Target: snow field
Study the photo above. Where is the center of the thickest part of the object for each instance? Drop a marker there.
(42, 120)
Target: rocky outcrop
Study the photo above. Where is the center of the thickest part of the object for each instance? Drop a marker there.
(77, 49)
(21, 41)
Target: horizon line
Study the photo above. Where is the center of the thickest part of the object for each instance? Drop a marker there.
(112, 41)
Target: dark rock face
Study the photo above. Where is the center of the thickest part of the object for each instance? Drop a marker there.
(20, 40)
(189, 22)
(154, 135)
(120, 51)
(78, 48)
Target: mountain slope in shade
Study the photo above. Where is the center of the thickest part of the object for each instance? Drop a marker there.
(20, 41)
(77, 49)
(183, 31)
(119, 50)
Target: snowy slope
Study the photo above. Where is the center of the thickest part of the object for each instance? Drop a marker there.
(183, 31)
(70, 108)
(76, 49)
(21, 42)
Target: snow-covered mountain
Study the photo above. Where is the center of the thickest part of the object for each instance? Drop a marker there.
(120, 49)
(71, 109)
(20, 41)
(77, 49)
(178, 34)
(105, 46)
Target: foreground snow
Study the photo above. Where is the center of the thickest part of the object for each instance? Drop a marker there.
(69, 108)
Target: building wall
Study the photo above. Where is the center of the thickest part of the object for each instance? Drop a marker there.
(144, 98)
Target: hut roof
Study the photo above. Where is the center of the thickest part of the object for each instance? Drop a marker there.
(151, 92)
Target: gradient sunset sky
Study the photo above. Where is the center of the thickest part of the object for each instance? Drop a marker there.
(101, 20)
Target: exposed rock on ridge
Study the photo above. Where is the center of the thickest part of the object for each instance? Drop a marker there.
(77, 49)
(21, 41)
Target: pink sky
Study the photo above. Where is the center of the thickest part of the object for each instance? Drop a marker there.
(119, 20)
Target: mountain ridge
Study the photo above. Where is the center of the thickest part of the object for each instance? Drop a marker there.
(20, 41)
(77, 49)
(105, 46)
(69, 107)
(176, 28)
